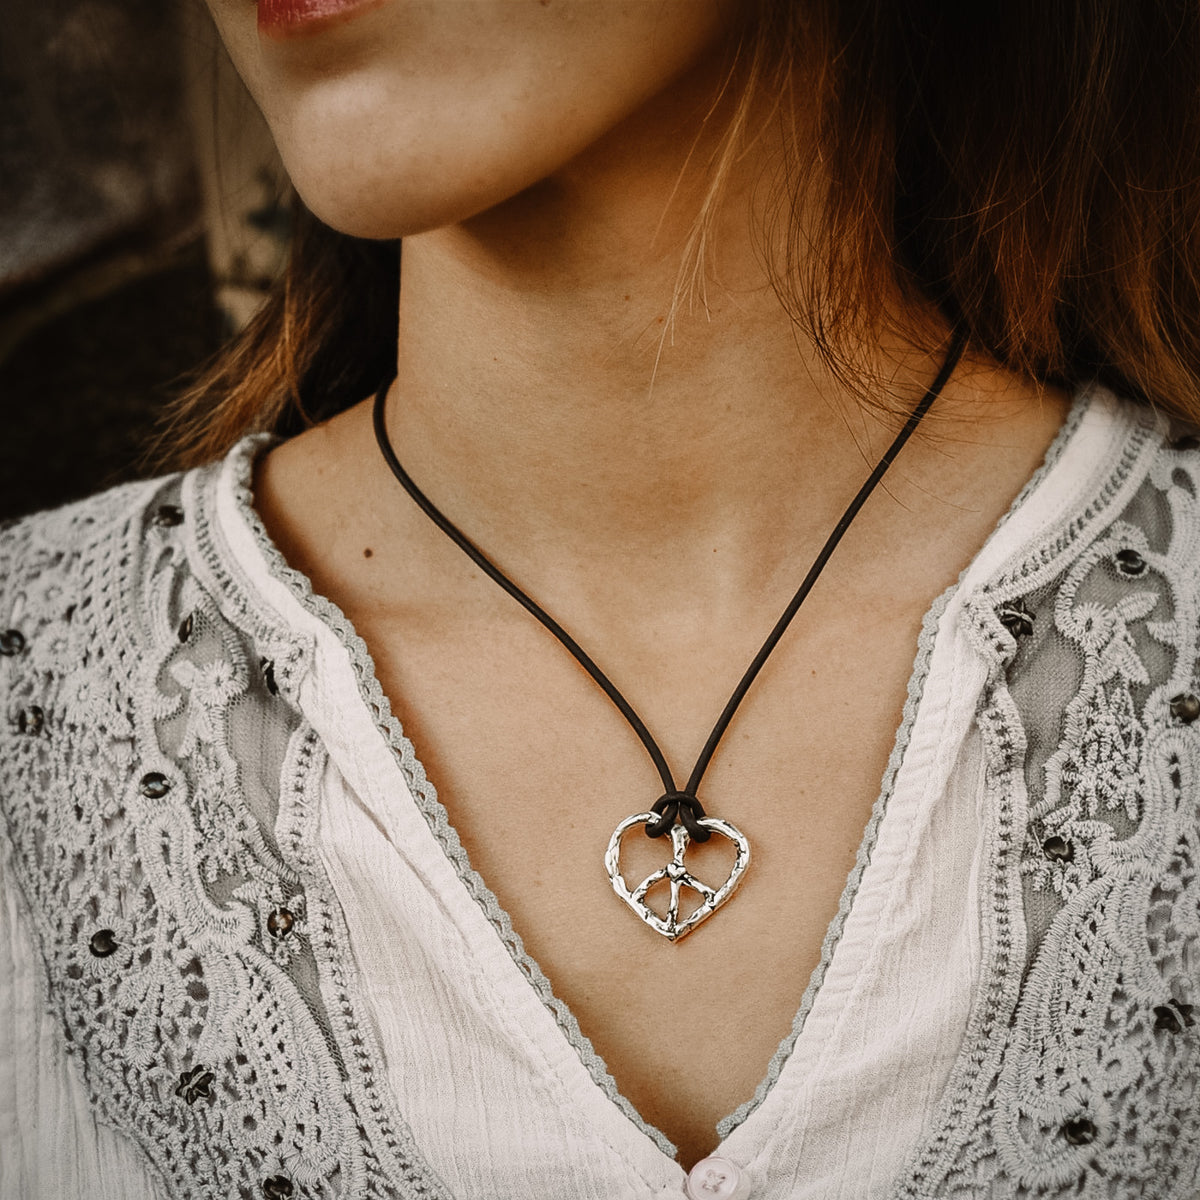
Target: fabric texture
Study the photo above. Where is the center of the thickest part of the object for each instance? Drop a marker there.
(242, 952)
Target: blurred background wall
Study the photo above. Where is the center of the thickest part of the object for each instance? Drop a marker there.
(142, 215)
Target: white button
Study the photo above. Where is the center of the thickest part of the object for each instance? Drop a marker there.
(717, 1179)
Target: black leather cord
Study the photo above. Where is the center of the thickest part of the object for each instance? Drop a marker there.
(675, 805)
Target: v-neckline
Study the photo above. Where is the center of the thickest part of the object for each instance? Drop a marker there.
(236, 480)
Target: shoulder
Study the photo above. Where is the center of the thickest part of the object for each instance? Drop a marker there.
(47, 560)
(74, 527)
(69, 578)
(1118, 472)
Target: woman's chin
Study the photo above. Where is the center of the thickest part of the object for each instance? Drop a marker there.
(401, 187)
(384, 211)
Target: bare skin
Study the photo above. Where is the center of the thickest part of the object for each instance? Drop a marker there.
(664, 507)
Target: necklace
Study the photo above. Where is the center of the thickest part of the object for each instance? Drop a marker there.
(678, 811)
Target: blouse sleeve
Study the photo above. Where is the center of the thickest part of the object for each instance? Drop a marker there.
(51, 1146)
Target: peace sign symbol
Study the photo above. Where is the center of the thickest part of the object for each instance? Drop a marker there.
(670, 926)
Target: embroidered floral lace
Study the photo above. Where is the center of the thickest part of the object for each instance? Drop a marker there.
(158, 788)
(1080, 1074)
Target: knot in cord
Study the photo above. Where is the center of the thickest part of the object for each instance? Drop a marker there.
(678, 807)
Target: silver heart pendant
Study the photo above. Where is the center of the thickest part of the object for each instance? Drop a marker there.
(670, 926)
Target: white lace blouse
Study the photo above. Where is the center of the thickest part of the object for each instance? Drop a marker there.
(242, 953)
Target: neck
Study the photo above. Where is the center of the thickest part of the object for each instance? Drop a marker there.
(553, 405)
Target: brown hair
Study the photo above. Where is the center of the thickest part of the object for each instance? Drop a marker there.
(1032, 169)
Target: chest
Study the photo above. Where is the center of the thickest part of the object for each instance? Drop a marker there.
(536, 767)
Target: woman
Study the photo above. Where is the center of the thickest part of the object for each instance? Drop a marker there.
(330, 852)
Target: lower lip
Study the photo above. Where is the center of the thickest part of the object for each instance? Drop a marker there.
(293, 18)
